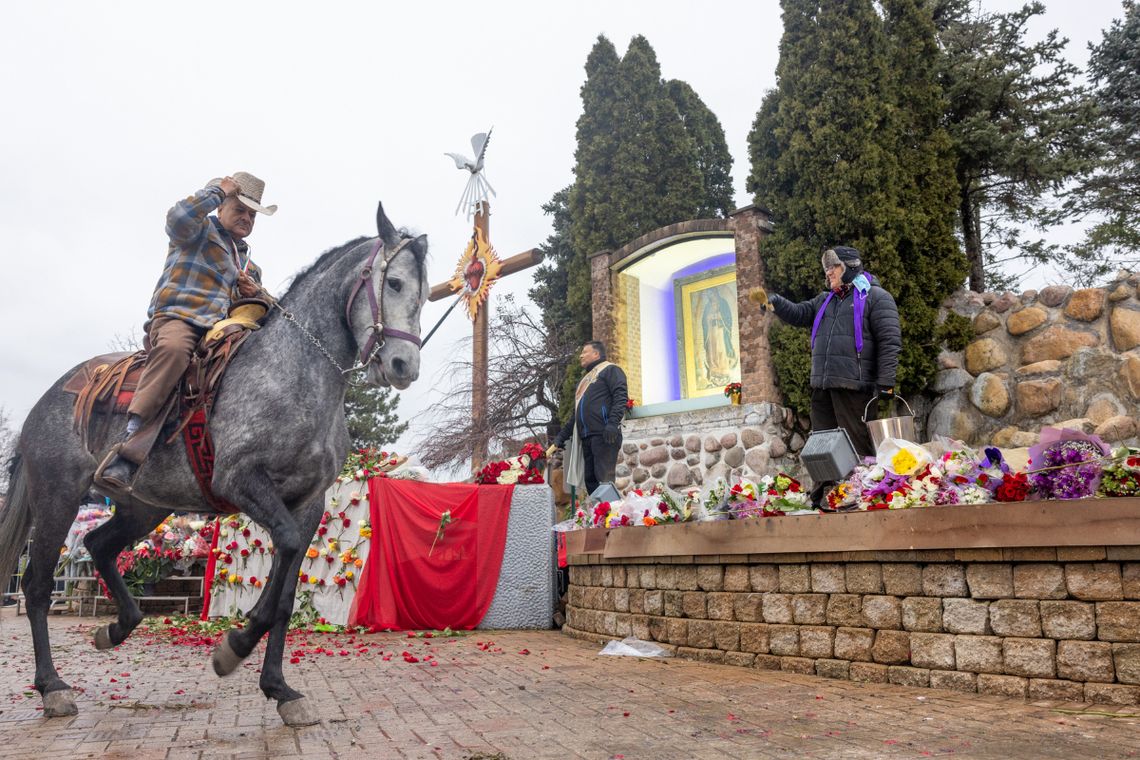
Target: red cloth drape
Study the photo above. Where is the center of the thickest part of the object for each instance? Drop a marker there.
(400, 586)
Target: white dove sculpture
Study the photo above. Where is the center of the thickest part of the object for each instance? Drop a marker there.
(478, 186)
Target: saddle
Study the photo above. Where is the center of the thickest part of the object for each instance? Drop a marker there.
(105, 385)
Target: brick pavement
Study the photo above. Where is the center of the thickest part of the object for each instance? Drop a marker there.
(484, 698)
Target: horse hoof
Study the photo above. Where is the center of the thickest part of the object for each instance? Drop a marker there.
(60, 704)
(225, 658)
(103, 638)
(296, 713)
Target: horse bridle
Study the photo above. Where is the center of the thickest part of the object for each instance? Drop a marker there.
(377, 330)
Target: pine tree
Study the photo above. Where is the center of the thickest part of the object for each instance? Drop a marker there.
(371, 416)
(649, 154)
(1110, 193)
(848, 150)
(1019, 126)
(714, 162)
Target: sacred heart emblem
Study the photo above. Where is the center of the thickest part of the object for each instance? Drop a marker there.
(473, 275)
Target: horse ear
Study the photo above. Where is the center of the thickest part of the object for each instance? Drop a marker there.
(384, 227)
(420, 248)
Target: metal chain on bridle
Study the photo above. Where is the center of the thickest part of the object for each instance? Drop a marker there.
(377, 331)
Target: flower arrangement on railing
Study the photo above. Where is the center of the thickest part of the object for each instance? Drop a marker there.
(175, 545)
(653, 507)
(524, 469)
(1065, 464)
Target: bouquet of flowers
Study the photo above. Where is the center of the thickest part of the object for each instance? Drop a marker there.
(743, 502)
(1066, 464)
(781, 494)
(524, 469)
(732, 389)
(1122, 476)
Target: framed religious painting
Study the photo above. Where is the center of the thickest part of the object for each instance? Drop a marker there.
(708, 331)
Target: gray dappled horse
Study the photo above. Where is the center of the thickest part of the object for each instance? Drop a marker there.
(280, 439)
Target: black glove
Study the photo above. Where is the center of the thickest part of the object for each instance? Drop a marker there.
(612, 435)
(886, 393)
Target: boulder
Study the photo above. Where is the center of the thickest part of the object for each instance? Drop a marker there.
(1131, 372)
(1029, 297)
(1086, 304)
(1024, 320)
(1036, 397)
(693, 443)
(1004, 302)
(1054, 295)
(990, 395)
(1039, 368)
(676, 441)
(1082, 424)
(658, 471)
(1055, 342)
(777, 448)
(655, 455)
(951, 380)
(734, 457)
(757, 459)
(1004, 437)
(950, 359)
(985, 322)
(639, 475)
(679, 476)
(1125, 326)
(1116, 429)
(712, 443)
(751, 437)
(1103, 407)
(1121, 292)
(728, 440)
(983, 355)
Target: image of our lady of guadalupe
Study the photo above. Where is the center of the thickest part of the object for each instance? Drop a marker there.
(718, 357)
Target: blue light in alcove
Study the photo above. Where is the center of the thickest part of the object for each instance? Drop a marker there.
(669, 313)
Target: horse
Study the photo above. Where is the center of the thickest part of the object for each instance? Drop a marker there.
(280, 439)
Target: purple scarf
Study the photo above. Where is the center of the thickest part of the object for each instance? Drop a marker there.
(861, 286)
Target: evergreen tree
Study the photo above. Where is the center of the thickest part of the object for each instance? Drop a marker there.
(1111, 191)
(372, 418)
(849, 150)
(649, 154)
(1019, 126)
(714, 162)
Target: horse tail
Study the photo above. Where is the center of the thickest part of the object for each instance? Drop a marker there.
(15, 520)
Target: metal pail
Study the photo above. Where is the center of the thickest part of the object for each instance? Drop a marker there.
(890, 427)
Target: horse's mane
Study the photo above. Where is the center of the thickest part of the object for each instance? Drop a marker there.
(329, 256)
(323, 263)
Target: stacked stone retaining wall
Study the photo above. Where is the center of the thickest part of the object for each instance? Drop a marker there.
(1039, 623)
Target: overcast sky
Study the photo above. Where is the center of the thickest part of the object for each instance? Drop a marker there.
(113, 111)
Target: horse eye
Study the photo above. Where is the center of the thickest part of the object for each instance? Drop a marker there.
(395, 285)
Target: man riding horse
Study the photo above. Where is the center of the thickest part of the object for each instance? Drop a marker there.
(207, 267)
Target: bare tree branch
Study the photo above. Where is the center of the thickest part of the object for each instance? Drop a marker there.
(524, 372)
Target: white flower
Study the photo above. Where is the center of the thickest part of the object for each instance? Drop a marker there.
(197, 525)
(510, 476)
(362, 523)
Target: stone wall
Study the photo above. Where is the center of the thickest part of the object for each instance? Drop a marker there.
(690, 448)
(1055, 357)
(1039, 623)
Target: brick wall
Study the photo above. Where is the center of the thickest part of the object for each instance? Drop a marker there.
(627, 331)
(750, 225)
(1044, 623)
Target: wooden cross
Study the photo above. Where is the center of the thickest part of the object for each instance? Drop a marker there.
(481, 334)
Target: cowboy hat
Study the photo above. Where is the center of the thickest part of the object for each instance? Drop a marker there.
(249, 192)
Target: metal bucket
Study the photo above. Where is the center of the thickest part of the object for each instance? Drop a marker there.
(890, 427)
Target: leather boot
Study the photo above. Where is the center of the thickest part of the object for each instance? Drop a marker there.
(118, 474)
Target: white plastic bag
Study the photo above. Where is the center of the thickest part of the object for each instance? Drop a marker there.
(631, 647)
(902, 457)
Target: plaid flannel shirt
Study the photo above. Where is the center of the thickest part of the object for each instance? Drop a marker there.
(199, 279)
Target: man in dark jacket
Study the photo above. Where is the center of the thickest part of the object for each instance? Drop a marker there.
(594, 430)
(855, 340)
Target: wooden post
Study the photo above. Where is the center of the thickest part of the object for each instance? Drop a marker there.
(480, 348)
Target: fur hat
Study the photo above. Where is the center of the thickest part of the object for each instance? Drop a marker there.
(850, 258)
